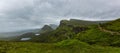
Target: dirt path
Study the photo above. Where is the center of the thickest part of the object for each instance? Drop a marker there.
(108, 31)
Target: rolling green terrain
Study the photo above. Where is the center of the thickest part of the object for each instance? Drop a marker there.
(74, 36)
(66, 46)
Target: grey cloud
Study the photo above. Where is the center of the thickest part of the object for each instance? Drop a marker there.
(27, 14)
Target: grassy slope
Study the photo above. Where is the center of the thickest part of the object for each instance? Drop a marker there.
(67, 46)
(113, 26)
(95, 36)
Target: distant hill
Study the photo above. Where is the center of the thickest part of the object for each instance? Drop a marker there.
(17, 33)
(26, 33)
(53, 26)
(46, 28)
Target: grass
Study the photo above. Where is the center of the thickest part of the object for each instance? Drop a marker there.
(98, 37)
(68, 46)
(113, 25)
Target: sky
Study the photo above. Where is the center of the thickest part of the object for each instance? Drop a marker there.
(30, 14)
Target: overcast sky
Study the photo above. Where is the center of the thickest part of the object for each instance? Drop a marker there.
(28, 14)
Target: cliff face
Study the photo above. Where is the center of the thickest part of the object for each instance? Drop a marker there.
(75, 22)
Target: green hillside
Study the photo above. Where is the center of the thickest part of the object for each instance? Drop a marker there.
(66, 46)
(74, 36)
(113, 25)
(68, 29)
(97, 34)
